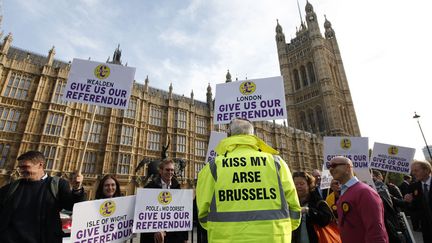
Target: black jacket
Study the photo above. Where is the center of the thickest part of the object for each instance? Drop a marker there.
(319, 214)
(423, 208)
(49, 229)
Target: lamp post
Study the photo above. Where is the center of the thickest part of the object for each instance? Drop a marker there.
(418, 121)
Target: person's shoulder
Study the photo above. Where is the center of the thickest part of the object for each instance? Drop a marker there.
(155, 183)
(5, 188)
(314, 197)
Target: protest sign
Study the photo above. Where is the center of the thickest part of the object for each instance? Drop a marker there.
(163, 210)
(326, 179)
(215, 138)
(354, 148)
(254, 99)
(104, 220)
(392, 158)
(364, 175)
(99, 83)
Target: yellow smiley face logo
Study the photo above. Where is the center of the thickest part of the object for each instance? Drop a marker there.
(107, 208)
(102, 71)
(393, 150)
(334, 207)
(247, 87)
(345, 143)
(165, 198)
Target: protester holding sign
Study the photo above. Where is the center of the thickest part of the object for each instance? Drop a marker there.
(420, 198)
(108, 187)
(360, 209)
(165, 180)
(30, 206)
(247, 194)
(315, 212)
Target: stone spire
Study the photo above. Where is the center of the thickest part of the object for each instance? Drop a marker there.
(6, 44)
(170, 89)
(329, 32)
(280, 37)
(51, 54)
(117, 56)
(146, 84)
(209, 97)
(228, 77)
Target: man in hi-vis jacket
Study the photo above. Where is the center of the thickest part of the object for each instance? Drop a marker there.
(247, 194)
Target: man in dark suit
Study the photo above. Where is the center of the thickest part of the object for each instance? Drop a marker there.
(322, 192)
(420, 198)
(165, 180)
(404, 186)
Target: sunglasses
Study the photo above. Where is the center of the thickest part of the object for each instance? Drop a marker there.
(334, 165)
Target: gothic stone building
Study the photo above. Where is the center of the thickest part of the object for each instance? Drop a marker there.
(33, 115)
(316, 87)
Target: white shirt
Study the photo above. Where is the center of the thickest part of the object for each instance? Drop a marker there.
(165, 185)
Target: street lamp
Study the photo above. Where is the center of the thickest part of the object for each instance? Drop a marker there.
(418, 121)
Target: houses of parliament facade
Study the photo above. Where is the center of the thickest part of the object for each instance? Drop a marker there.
(33, 115)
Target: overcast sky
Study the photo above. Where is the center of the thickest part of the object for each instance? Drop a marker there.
(386, 47)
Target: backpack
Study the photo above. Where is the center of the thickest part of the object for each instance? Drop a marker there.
(54, 189)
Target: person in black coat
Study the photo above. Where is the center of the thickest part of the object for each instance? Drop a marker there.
(165, 180)
(315, 210)
(29, 208)
(404, 186)
(420, 198)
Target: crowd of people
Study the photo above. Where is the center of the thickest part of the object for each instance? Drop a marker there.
(247, 194)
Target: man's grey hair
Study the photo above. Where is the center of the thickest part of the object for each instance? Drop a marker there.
(241, 127)
(423, 164)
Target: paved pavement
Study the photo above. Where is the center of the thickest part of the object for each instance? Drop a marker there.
(417, 235)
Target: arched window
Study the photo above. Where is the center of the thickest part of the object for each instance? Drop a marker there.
(311, 119)
(311, 72)
(303, 123)
(296, 79)
(304, 76)
(320, 118)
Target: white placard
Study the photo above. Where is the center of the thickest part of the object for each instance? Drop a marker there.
(364, 175)
(354, 148)
(99, 83)
(215, 138)
(392, 158)
(253, 99)
(104, 220)
(326, 179)
(163, 210)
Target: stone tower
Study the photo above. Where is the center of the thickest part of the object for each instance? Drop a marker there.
(317, 93)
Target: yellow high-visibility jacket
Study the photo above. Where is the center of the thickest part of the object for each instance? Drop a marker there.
(247, 194)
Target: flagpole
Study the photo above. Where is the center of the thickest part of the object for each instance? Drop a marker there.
(87, 139)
